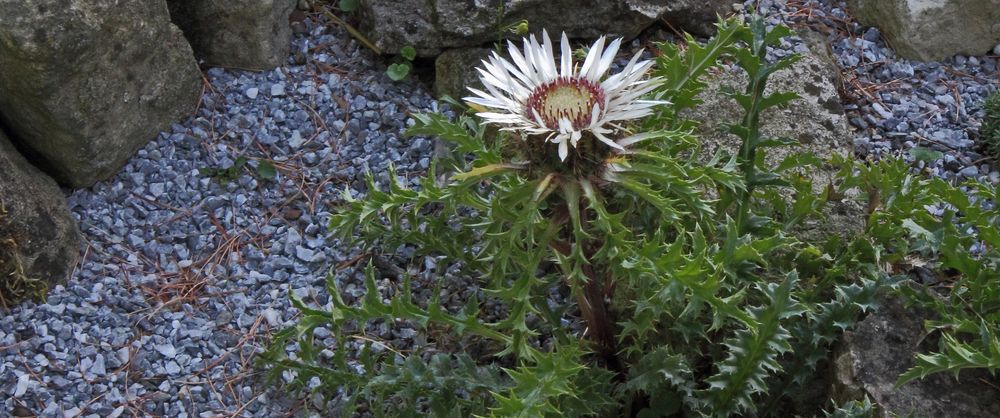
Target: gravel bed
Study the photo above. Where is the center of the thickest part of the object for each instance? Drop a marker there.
(895, 104)
(186, 276)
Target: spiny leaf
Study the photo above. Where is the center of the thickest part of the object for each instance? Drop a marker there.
(542, 389)
(753, 355)
(457, 133)
(479, 173)
(658, 371)
(953, 356)
(682, 72)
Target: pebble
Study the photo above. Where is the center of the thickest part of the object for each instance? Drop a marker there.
(98, 367)
(172, 368)
(167, 350)
(277, 90)
(304, 254)
(21, 387)
(157, 189)
(272, 317)
(296, 140)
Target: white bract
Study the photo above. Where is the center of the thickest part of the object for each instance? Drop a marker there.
(528, 93)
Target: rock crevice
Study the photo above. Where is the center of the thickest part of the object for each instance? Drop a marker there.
(433, 26)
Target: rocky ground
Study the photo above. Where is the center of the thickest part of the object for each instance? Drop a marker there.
(188, 266)
(896, 104)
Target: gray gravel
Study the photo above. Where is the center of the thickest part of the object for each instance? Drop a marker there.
(895, 104)
(186, 276)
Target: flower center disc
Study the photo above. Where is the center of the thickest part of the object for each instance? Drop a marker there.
(572, 99)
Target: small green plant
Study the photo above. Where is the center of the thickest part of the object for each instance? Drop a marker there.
(989, 132)
(265, 170)
(399, 70)
(519, 28)
(924, 154)
(636, 278)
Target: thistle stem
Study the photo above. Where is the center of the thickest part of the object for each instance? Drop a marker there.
(590, 298)
(751, 121)
(748, 153)
(600, 327)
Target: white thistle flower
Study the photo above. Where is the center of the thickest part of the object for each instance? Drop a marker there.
(533, 96)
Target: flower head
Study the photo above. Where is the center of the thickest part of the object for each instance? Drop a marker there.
(528, 93)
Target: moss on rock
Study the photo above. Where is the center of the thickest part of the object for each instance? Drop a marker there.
(15, 285)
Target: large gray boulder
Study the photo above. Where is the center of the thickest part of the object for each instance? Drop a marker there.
(817, 121)
(84, 84)
(432, 26)
(247, 34)
(931, 30)
(878, 349)
(39, 241)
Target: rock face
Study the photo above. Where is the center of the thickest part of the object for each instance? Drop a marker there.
(38, 236)
(432, 26)
(816, 120)
(880, 348)
(248, 34)
(455, 71)
(931, 30)
(84, 84)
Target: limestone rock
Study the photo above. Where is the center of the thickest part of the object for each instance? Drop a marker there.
(84, 84)
(432, 26)
(816, 120)
(455, 71)
(931, 30)
(878, 349)
(248, 34)
(37, 232)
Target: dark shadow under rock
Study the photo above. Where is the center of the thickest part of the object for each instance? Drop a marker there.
(434, 26)
(246, 34)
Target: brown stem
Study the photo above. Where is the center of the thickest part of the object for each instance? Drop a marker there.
(600, 326)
